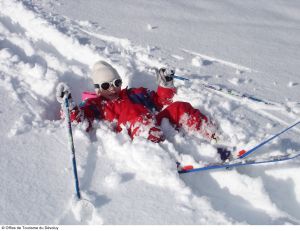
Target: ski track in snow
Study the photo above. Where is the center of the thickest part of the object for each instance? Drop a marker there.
(128, 182)
(206, 58)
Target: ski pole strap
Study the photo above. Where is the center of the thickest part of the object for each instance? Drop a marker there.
(242, 154)
(72, 148)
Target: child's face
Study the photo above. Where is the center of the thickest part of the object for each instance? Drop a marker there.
(109, 94)
(109, 90)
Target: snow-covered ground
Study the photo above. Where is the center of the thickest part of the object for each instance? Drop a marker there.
(249, 46)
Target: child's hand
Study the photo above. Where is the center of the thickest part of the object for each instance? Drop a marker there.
(165, 77)
(62, 91)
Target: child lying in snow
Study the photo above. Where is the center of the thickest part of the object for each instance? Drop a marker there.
(139, 110)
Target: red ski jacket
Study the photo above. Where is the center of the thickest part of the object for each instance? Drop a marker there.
(141, 111)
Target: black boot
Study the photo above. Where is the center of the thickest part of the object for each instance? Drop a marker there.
(224, 153)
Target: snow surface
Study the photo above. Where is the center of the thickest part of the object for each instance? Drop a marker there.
(249, 46)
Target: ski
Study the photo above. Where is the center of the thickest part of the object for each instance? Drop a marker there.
(236, 163)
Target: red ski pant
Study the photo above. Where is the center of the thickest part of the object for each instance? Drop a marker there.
(182, 114)
(179, 114)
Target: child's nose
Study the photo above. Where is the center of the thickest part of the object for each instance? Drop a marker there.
(111, 88)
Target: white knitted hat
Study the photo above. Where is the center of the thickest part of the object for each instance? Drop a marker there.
(103, 72)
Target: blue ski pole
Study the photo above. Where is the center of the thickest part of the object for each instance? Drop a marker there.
(229, 91)
(180, 78)
(71, 144)
(242, 154)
